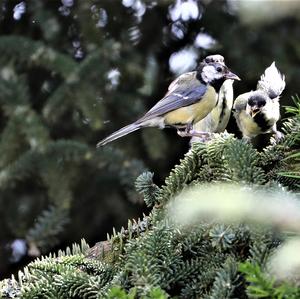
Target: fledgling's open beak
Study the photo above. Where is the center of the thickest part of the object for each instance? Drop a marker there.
(254, 110)
(232, 76)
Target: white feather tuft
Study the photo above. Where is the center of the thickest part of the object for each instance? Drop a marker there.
(272, 81)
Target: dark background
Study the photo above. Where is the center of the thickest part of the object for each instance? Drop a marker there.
(71, 72)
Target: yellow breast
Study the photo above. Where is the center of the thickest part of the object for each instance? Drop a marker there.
(195, 112)
(248, 125)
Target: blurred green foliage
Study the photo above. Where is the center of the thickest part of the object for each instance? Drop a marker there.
(74, 71)
(262, 285)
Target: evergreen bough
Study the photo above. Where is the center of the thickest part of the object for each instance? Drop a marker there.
(32, 155)
(152, 258)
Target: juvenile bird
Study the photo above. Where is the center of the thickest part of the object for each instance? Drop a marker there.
(188, 100)
(216, 121)
(257, 112)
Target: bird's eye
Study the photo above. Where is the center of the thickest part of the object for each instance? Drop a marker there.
(219, 69)
(262, 103)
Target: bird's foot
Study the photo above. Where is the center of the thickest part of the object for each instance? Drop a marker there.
(202, 139)
(200, 134)
(193, 133)
(276, 137)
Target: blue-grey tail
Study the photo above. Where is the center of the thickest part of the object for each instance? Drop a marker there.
(120, 133)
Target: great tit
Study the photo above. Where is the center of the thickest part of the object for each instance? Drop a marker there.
(188, 100)
(257, 112)
(216, 121)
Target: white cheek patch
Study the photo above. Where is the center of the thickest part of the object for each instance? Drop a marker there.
(209, 73)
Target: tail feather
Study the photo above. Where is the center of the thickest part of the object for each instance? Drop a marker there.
(272, 81)
(120, 133)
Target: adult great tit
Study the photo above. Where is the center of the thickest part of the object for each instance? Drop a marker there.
(216, 121)
(188, 100)
(257, 112)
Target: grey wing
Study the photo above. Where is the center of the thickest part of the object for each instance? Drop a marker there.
(240, 102)
(181, 80)
(183, 95)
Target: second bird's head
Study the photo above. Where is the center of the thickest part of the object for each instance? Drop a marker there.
(256, 103)
(214, 72)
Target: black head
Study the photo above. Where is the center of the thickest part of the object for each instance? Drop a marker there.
(256, 102)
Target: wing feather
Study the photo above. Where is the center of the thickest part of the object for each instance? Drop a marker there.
(182, 79)
(240, 102)
(180, 95)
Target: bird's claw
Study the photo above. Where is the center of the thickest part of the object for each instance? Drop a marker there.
(199, 134)
(202, 139)
(276, 137)
(193, 133)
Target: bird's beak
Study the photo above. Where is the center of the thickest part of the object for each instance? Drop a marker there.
(232, 76)
(254, 110)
